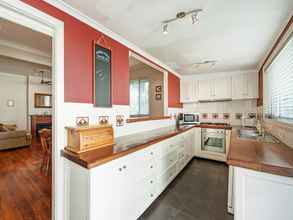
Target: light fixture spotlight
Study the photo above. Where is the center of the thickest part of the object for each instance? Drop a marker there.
(165, 28)
(181, 15)
(194, 17)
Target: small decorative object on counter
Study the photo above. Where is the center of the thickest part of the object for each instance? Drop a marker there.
(82, 121)
(103, 120)
(238, 116)
(82, 139)
(119, 120)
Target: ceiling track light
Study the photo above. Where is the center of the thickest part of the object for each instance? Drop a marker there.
(180, 15)
(165, 28)
(206, 62)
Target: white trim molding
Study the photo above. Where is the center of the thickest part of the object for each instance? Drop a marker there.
(61, 5)
(21, 13)
(22, 52)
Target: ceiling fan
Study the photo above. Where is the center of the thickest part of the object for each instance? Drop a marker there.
(43, 81)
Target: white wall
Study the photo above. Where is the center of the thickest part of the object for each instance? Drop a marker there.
(36, 87)
(13, 87)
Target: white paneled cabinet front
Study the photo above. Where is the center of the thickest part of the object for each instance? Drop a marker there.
(124, 188)
(245, 86)
(214, 89)
(188, 90)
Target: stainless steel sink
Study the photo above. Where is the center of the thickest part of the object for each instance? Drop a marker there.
(252, 134)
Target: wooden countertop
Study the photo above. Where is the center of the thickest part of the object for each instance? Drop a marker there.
(259, 156)
(100, 156)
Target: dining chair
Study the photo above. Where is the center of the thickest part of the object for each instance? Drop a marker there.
(46, 142)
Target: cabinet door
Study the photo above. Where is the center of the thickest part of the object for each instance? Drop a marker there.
(204, 90)
(252, 85)
(197, 141)
(239, 85)
(222, 88)
(187, 91)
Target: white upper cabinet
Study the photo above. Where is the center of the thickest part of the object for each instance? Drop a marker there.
(245, 86)
(205, 90)
(222, 88)
(188, 90)
(214, 89)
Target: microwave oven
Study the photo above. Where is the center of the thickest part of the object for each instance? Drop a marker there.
(190, 118)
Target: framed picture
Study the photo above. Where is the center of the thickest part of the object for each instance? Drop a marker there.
(158, 88)
(158, 96)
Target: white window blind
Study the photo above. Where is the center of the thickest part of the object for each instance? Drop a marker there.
(139, 97)
(278, 84)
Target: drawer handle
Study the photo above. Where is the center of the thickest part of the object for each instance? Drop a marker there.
(152, 153)
(124, 166)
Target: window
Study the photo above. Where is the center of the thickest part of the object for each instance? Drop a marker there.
(139, 97)
(278, 87)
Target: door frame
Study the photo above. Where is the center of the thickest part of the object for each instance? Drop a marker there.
(23, 14)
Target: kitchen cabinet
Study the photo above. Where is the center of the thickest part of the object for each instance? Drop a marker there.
(205, 90)
(214, 89)
(245, 86)
(197, 141)
(124, 188)
(188, 90)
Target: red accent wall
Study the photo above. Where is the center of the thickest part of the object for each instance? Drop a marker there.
(78, 59)
(174, 91)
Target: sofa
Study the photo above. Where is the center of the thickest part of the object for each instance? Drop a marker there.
(10, 137)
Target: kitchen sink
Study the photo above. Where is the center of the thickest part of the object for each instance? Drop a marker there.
(252, 134)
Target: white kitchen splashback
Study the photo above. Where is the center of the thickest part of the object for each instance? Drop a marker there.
(216, 111)
(74, 110)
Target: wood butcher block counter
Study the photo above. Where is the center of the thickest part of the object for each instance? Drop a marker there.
(259, 156)
(129, 144)
(124, 146)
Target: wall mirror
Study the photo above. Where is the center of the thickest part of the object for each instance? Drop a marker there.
(43, 100)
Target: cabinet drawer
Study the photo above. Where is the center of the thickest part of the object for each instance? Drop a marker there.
(165, 162)
(167, 177)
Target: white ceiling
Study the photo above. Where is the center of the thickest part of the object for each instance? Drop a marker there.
(18, 39)
(237, 33)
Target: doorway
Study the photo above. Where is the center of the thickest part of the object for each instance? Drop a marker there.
(25, 15)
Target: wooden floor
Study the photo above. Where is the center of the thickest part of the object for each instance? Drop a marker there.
(25, 192)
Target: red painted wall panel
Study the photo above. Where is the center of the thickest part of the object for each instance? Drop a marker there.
(174, 91)
(78, 60)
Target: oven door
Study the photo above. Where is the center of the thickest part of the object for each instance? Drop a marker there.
(213, 140)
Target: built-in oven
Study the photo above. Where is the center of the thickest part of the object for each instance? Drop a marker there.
(213, 140)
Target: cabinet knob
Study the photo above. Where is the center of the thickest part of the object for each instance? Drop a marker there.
(151, 166)
(151, 182)
(152, 195)
(120, 169)
(152, 153)
(124, 166)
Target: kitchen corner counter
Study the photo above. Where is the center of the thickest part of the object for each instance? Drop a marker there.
(124, 146)
(260, 156)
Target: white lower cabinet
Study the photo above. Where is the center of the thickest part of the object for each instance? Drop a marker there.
(124, 188)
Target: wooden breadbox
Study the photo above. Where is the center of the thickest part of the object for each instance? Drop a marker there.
(82, 139)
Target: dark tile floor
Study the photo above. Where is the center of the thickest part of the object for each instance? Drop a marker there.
(199, 192)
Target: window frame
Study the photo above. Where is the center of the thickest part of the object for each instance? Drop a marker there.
(139, 97)
(288, 122)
